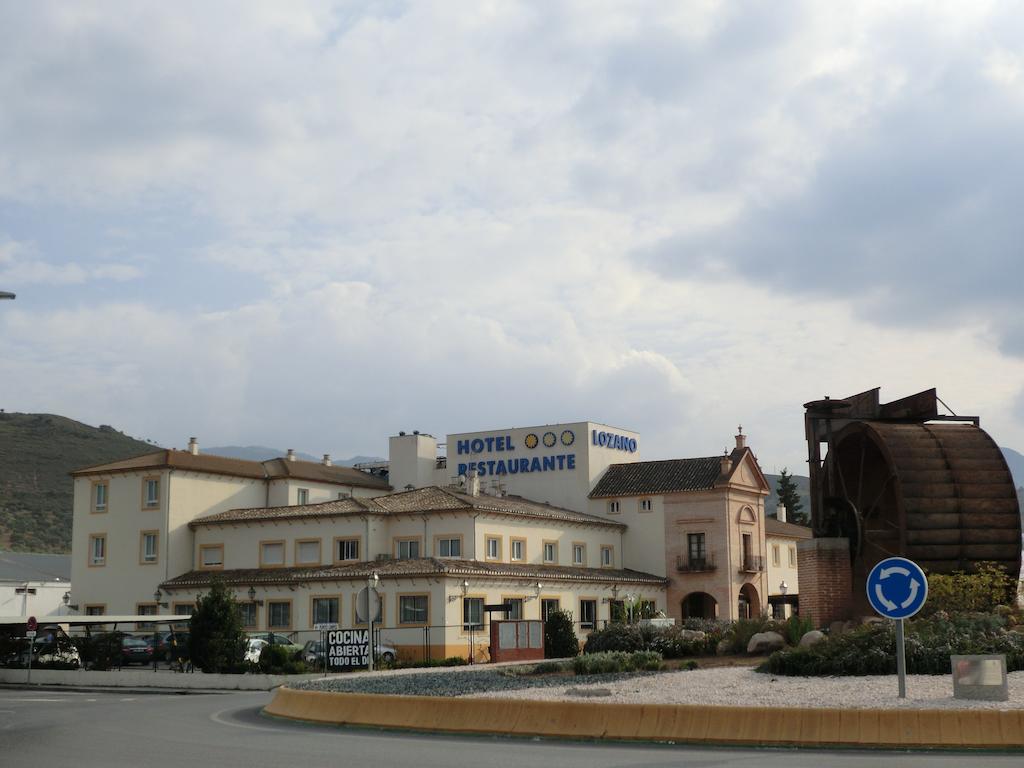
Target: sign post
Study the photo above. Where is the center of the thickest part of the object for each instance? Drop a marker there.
(897, 589)
(368, 610)
(31, 627)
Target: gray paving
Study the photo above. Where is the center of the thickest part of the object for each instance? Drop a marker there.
(86, 729)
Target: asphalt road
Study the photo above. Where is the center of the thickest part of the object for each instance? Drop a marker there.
(84, 729)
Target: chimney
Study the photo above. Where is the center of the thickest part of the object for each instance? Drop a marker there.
(741, 439)
(473, 483)
(291, 455)
(193, 446)
(780, 512)
(726, 463)
(327, 460)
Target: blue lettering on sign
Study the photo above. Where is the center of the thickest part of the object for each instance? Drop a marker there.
(559, 462)
(484, 444)
(613, 441)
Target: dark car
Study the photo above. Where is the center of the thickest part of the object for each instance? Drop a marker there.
(136, 650)
(171, 646)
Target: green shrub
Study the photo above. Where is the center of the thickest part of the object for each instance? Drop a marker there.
(550, 668)
(983, 591)
(451, 661)
(871, 649)
(739, 632)
(276, 660)
(99, 652)
(560, 640)
(795, 628)
(615, 637)
(607, 662)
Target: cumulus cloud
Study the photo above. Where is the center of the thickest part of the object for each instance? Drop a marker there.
(365, 217)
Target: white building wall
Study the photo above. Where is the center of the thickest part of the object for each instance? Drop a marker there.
(17, 598)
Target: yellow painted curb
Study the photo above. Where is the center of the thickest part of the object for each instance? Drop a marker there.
(750, 726)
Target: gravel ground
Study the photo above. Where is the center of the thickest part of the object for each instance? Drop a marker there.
(726, 686)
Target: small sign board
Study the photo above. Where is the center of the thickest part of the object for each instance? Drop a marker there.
(323, 626)
(980, 677)
(897, 588)
(30, 634)
(348, 649)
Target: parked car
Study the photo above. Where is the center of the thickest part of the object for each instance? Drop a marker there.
(171, 645)
(136, 650)
(276, 638)
(313, 653)
(253, 648)
(51, 646)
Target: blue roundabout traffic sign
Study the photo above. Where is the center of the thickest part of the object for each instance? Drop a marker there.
(897, 588)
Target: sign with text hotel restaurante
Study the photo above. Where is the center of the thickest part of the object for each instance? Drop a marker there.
(528, 457)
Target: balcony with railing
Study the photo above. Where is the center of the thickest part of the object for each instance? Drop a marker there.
(688, 564)
(752, 564)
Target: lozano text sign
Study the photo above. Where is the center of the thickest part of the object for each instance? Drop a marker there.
(348, 649)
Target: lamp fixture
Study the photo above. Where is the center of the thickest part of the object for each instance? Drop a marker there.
(156, 599)
(783, 587)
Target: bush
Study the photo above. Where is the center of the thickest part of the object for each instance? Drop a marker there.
(984, 591)
(670, 642)
(607, 662)
(451, 661)
(739, 632)
(560, 640)
(795, 628)
(276, 660)
(615, 637)
(216, 641)
(100, 652)
(871, 649)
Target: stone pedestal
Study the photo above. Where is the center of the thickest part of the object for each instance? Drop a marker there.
(826, 580)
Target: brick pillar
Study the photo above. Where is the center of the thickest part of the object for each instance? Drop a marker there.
(826, 581)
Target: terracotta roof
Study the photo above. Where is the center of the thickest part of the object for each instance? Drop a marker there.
(430, 566)
(221, 465)
(775, 527)
(417, 502)
(668, 476)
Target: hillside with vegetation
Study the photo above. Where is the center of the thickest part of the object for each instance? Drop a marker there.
(37, 451)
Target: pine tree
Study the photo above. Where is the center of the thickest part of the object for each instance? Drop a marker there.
(216, 639)
(789, 497)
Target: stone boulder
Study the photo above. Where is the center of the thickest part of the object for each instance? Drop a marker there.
(811, 638)
(722, 648)
(691, 634)
(766, 642)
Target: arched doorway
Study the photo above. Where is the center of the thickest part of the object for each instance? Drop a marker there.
(699, 605)
(749, 604)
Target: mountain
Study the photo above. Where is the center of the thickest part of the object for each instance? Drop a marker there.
(37, 451)
(1016, 463)
(262, 453)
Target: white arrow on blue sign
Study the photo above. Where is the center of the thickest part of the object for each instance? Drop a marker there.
(897, 588)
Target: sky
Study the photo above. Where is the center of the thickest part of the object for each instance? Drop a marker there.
(313, 225)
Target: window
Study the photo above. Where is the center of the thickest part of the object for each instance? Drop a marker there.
(146, 609)
(614, 507)
(279, 614)
(778, 611)
(517, 549)
(646, 505)
(588, 614)
(792, 557)
(548, 606)
(307, 552)
(151, 492)
(617, 611)
(607, 557)
(211, 556)
(647, 609)
(99, 497)
(412, 609)
(271, 554)
(325, 610)
(147, 547)
(346, 550)
(493, 547)
(184, 609)
(697, 548)
(98, 549)
(550, 552)
(449, 547)
(247, 615)
(407, 549)
(515, 608)
(95, 610)
(303, 496)
(472, 613)
(775, 555)
(579, 554)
